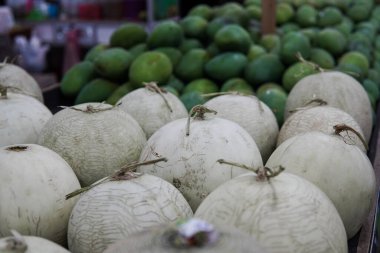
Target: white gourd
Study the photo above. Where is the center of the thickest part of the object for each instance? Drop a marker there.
(21, 81)
(150, 110)
(192, 164)
(320, 118)
(285, 214)
(338, 168)
(114, 210)
(29, 244)
(338, 90)
(253, 115)
(22, 119)
(33, 183)
(95, 139)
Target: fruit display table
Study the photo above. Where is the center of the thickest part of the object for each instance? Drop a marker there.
(269, 59)
(366, 240)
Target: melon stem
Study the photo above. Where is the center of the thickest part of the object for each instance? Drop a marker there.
(152, 86)
(16, 243)
(263, 173)
(3, 91)
(343, 127)
(197, 112)
(124, 173)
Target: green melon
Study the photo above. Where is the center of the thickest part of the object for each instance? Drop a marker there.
(151, 66)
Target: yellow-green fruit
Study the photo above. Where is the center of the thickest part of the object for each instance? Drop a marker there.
(202, 10)
(252, 2)
(233, 38)
(191, 99)
(267, 86)
(98, 90)
(292, 44)
(284, 13)
(212, 50)
(311, 33)
(265, 68)
(94, 52)
(189, 44)
(226, 65)
(331, 40)
(202, 86)
(166, 34)
(368, 29)
(194, 27)
(215, 25)
(374, 76)
(289, 27)
(192, 64)
(255, 51)
(354, 61)
(128, 35)
(329, 16)
(360, 10)
(322, 58)
(176, 83)
(172, 53)
(237, 85)
(254, 12)
(119, 93)
(306, 16)
(113, 63)
(76, 77)
(275, 99)
(151, 66)
(371, 88)
(138, 49)
(296, 72)
(345, 27)
(233, 11)
(271, 43)
(170, 89)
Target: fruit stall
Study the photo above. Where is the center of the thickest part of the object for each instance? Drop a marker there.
(249, 125)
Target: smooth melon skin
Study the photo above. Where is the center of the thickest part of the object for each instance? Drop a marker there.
(16, 77)
(192, 164)
(150, 110)
(341, 170)
(33, 183)
(253, 115)
(22, 119)
(338, 90)
(285, 214)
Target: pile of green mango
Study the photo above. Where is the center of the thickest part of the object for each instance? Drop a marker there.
(221, 49)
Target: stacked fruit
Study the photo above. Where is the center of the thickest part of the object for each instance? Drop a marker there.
(218, 49)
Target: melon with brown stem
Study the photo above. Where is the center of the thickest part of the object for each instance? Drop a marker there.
(283, 212)
(338, 90)
(94, 138)
(320, 118)
(16, 77)
(22, 117)
(152, 107)
(253, 115)
(337, 167)
(193, 146)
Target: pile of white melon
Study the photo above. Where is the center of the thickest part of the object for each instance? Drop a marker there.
(196, 182)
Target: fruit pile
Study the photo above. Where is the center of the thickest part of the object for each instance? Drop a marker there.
(221, 49)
